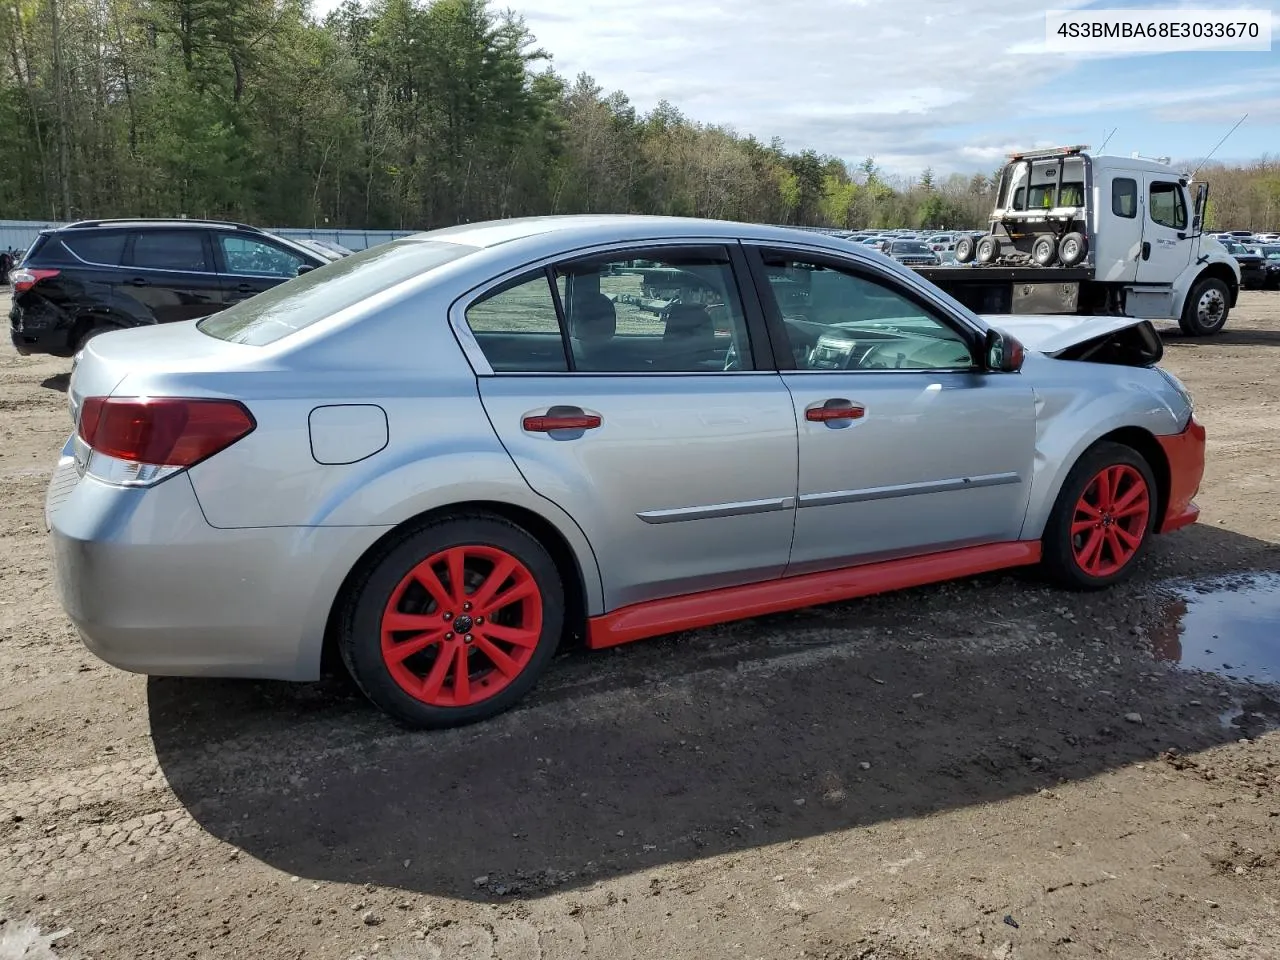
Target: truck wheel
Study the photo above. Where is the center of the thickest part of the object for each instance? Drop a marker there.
(964, 249)
(1072, 248)
(1045, 250)
(1206, 309)
(988, 249)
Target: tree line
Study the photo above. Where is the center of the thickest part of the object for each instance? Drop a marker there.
(404, 114)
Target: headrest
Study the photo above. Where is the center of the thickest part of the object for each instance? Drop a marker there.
(688, 319)
(594, 318)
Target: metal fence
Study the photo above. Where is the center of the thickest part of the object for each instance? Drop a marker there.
(20, 234)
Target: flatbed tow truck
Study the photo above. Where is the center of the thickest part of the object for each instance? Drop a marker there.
(1073, 233)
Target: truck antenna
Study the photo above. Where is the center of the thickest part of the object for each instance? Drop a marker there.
(1216, 146)
(1108, 139)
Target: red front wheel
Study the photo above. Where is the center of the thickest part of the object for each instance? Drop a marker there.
(455, 622)
(1103, 519)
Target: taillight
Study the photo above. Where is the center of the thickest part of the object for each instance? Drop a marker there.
(25, 278)
(162, 431)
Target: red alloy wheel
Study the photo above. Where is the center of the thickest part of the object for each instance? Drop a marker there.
(1110, 520)
(461, 626)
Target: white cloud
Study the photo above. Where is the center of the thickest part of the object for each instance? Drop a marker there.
(892, 79)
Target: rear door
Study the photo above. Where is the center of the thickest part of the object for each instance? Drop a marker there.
(906, 446)
(170, 274)
(645, 416)
(248, 265)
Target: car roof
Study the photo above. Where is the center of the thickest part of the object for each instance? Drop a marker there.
(608, 228)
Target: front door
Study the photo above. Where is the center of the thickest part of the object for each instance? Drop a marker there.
(905, 445)
(170, 274)
(625, 389)
(1166, 231)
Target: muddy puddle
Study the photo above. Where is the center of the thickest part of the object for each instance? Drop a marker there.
(1229, 626)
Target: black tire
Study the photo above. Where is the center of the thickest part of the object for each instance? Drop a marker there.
(361, 636)
(1205, 312)
(988, 249)
(1045, 250)
(965, 249)
(1065, 557)
(1072, 249)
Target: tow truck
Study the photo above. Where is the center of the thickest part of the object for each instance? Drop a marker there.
(1074, 233)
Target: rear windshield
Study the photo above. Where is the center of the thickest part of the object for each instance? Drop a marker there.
(324, 291)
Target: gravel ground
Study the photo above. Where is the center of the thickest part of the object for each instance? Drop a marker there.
(985, 769)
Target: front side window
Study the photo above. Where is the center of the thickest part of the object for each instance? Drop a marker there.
(836, 319)
(181, 250)
(1124, 197)
(1167, 205)
(245, 256)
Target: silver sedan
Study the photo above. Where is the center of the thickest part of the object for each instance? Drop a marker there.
(444, 454)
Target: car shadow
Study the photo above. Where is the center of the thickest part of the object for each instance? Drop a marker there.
(1227, 338)
(708, 743)
(59, 381)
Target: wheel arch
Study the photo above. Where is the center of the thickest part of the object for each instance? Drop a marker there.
(86, 320)
(1215, 271)
(573, 572)
(1139, 439)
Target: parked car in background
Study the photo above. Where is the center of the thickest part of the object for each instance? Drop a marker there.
(1253, 269)
(913, 253)
(96, 276)
(1270, 253)
(445, 453)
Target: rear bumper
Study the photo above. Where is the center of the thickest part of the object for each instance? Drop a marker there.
(153, 589)
(28, 338)
(1185, 453)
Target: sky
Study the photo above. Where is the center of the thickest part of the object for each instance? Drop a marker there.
(948, 85)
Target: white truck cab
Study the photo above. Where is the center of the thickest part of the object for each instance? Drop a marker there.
(1073, 232)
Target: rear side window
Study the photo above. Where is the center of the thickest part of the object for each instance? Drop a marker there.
(518, 328)
(170, 250)
(1124, 197)
(103, 248)
(324, 291)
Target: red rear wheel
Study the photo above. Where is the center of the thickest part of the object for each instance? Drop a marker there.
(461, 625)
(454, 621)
(1102, 521)
(1110, 521)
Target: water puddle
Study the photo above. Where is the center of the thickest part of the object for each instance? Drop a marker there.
(1229, 626)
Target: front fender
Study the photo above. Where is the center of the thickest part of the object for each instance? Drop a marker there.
(1071, 419)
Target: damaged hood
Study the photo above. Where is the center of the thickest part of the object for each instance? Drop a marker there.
(1051, 333)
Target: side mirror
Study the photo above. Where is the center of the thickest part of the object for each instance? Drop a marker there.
(305, 268)
(1004, 354)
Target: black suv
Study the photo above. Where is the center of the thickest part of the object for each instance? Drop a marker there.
(98, 275)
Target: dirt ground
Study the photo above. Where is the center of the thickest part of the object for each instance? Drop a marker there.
(986, 769)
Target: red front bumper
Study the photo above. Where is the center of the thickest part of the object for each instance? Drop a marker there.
(1185, 453)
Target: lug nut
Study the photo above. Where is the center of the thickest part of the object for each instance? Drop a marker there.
(479, 620)
(467, 638)
(449, 635)
(448, 617)
(466, 606)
